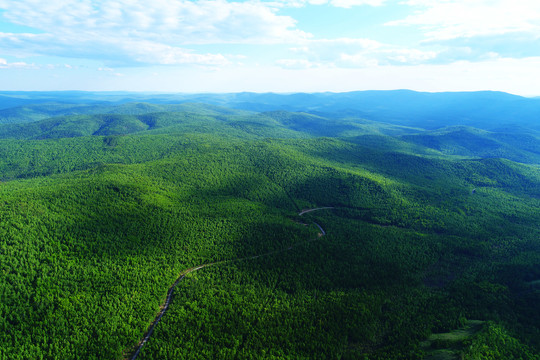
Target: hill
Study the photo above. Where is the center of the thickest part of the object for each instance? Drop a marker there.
(466, 141)
(132, 118)
(421, 233)
(36, 112)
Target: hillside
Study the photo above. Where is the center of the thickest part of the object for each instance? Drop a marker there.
(130, 118)
(423, 233)
(466, 141)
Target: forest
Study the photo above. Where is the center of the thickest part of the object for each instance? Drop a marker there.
(430, 248)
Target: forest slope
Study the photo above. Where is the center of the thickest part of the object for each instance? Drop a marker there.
(458, 140)
(466, 141)
(100, 213)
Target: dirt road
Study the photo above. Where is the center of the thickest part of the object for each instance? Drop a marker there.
(132, 355)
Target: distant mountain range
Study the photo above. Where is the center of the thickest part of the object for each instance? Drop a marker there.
(485, 110)
(476, 124)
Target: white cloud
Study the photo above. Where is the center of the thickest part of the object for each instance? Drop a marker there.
(358, 60)
(351, 3)
(177, 21)
(4, 64)
(451, 19)
(156, 53)
(138, 31)
(295, 64)
(337, 3)
(113, 50)
(409, 56)
(354, 53)
(477, 30)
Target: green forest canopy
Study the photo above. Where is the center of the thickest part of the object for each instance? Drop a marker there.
(430, 229)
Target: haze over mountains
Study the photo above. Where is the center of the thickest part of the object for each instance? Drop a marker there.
(470, 124)
(486, 110)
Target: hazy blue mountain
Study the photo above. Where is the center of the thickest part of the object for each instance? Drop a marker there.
(207, 120)
(124, 119)
(36, 112)
(486, 110)
(467, 141)
(79, 120)
(11, 101)
(471, 124)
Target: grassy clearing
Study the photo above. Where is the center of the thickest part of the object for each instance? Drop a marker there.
(449, 345)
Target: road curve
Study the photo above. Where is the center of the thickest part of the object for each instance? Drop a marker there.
(165, 306)
(316, 209)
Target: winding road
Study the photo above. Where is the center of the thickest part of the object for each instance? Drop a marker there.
(132, 355)
(316, 209)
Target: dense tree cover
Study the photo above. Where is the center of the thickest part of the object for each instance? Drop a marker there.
(57, 108)
(362, 290)
(494, 342)
(110, 124)
(95, 229)
(466, 141)
(87, 258)
(76, 120)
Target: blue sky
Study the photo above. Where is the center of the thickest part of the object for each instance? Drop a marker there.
(274, 45)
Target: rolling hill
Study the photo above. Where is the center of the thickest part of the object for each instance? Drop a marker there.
(485, 110)
(129, 118)
(466, 141)
(36, 112)
(421, 231)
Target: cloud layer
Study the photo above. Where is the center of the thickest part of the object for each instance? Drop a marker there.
(138, 31)
(4, 64)
(223, 34)
(477, 29)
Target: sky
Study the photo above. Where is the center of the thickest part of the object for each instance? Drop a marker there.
(270, 46)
